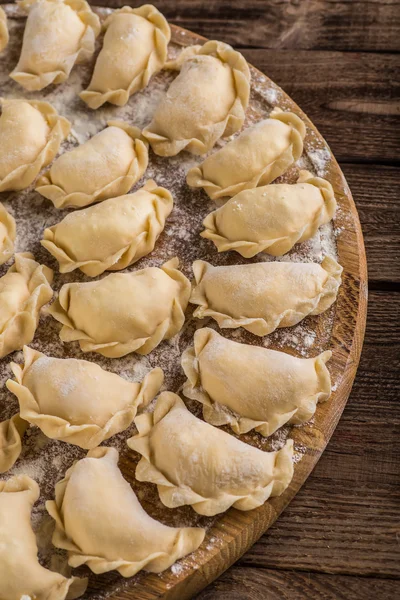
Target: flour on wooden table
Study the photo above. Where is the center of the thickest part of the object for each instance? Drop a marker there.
(47, 460)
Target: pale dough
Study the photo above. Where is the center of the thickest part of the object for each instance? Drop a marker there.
(124, 312)
(134, 48)
(195, 463)
(58, 34)
(101, 523)
(24, 289)
(77, 401)
(105, 166)
(264, 296)
(256, 157)
(7, 234)
(11, 432)
(4, 37)
(30, 136)
(21, 575)
(205, 102)
(272, 218)
(111, 235)
(248, 387)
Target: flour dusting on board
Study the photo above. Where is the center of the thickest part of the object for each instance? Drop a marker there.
(46, 460)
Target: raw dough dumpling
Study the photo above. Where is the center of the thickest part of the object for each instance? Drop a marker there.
(205, 102)
(101, 523)
(7, 234)
(24, 289)
(21, 574)
(58, 34)
(11, 432)
(105, 166)
(264, 296)
(259, 155)
(195, 463)
(124, 312)
(134, 48)
(111, 235)
(30, 136)
(272, 218)
(4, 37)
(77, 401)
(248, 387)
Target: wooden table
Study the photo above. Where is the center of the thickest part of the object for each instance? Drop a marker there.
(340, 537)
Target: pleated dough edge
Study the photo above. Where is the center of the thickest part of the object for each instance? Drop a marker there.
(11, 432)
(173, 496)
(258, 326)
(85, 436)
(126, 256)
(187, 541)
(7, 248)
(275, 246)
(195, 176)
(234, 119)
(156, 60)
(32, 82)
(20, 329)
(120, 186)
(24, 175)
(4, 36)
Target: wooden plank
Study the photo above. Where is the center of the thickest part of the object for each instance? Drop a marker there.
(243, 583)
(351, 97)
(368, 25)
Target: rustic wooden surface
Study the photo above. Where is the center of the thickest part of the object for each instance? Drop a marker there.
(339, 537)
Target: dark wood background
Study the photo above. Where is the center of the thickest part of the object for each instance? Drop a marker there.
(340, 537)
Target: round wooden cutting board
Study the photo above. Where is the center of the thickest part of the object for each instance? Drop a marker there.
(341, 329)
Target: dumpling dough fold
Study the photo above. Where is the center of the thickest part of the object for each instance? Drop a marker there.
(77, 401)
(24, 289)
(101, 523)
(30, 136)
(4, 37)
(205, 102)
(195, 463)
(248, 387)
(264, 296)
(256, 157)
(58, 34)
(124, 312)
(271, 218)
(134, 48)
(21, 574)
(105, 166)
(111, 235)
(7, 234)
(11, 432)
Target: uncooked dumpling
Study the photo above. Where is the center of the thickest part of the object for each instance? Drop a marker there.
(195, 463)
(58, 34)
(264, 296)
(134, 48)
(124, 312)
(24, 289)
(248, 387)
(111, 235)
(4, 37)
(30, 136)
(101, 523)
(272, 218)
(7, 234)
(205, 102)
(77, 401)
(259, 155)
(21, 575)
(11, 432)
(105, 166)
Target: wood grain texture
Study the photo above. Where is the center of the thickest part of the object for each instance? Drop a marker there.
(264, 584)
